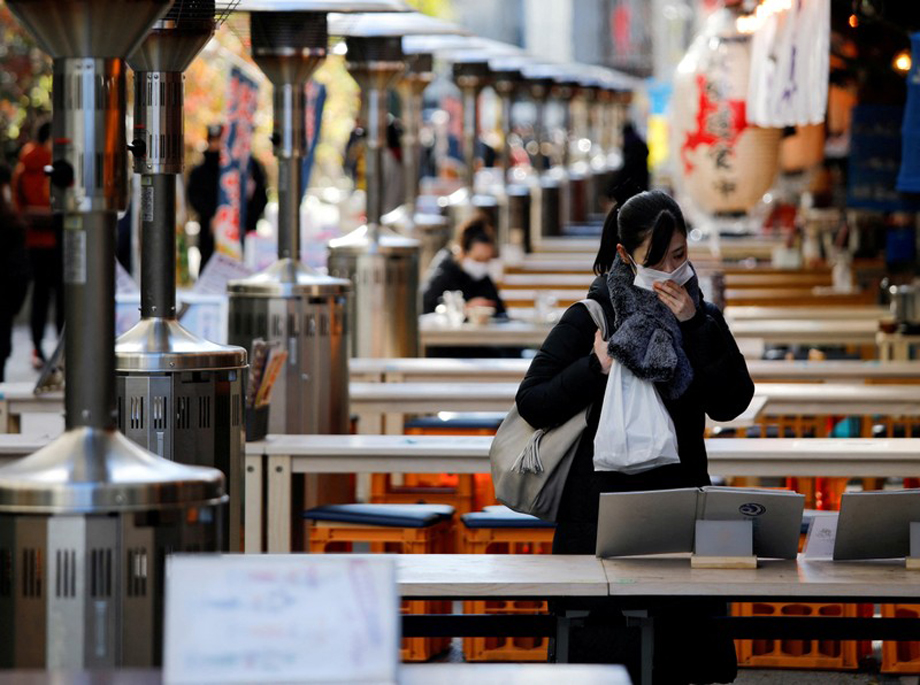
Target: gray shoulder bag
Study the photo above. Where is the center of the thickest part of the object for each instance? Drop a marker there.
(530, 465)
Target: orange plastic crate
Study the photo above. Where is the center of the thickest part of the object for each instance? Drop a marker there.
(340, 537)
(802, 654)
(900, 657)
(506, 541)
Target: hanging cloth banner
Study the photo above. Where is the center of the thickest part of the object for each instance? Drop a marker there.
(242, 100)
(790, 61)
(316, 101)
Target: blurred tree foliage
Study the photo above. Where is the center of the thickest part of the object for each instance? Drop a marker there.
(25, 84)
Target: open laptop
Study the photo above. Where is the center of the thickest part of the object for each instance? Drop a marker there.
(876, 525)
(663, 521)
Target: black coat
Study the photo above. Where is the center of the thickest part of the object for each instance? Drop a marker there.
(449, 275)
(564, 378)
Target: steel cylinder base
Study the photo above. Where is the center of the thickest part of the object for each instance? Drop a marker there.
(194, 417)
(86, 592)
(385, 311)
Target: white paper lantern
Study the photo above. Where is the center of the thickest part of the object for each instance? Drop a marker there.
(723, 163)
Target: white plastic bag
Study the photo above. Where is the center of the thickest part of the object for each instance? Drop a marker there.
(635, 432)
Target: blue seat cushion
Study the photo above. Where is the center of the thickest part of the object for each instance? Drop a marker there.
(393, 515)
(488, 420)
(502, 517)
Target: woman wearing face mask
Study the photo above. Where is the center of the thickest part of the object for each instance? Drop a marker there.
(664, 332)
(466, 268)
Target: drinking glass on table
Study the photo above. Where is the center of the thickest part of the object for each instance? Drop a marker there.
(544, 305)
(455, 307)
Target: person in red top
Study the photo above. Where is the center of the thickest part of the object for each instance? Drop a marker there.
(32, 195)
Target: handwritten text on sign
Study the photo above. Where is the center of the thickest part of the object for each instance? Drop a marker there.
(238, 619)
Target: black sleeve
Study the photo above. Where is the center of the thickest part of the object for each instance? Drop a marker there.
(565, 376)
(441, 280)
(718, 365)
(491, 293)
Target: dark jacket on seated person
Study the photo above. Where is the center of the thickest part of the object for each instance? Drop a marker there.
(449, 275)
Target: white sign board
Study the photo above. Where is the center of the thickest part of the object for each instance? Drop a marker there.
(280, 618)
(219, 271)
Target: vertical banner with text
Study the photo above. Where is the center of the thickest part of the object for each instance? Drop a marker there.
(242, 100)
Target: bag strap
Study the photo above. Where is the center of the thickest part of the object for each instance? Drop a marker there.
(597, 313)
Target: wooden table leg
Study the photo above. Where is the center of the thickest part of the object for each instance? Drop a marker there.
(279, 504)
(253, 512)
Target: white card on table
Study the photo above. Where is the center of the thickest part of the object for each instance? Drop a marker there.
(822, 534)
(280, 618)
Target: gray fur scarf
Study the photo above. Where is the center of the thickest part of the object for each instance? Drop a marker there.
(647, 338)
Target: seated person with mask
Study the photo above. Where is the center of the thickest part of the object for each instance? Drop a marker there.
(465, 267)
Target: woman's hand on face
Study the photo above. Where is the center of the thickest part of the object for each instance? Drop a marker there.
(601, 352)
(676, 298)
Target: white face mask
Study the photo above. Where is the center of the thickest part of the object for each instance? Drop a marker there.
(646, 277)
(474, 269)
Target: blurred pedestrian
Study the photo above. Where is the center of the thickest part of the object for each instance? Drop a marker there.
(14, 265)
(32, 197)
(203, 183)
(203, 194)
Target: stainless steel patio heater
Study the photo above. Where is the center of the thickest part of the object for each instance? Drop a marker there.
(383, 265)
(599, 171)
(86, 522)
(546, 199)
(572, 171)
(514, 216)
(305, 311)
(419, 33)
(178, 395)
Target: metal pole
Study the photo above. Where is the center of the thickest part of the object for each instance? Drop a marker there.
(411, 93)
(506, 90)
(376, 117)
(540, 92)
(158, 234)
(289, 139)
(470, 128)
(89, 294)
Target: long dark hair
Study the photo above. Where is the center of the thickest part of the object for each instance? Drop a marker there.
(476, 229)
(630, 223)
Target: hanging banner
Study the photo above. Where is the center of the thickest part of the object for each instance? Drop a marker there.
(724, 163)
(316, 101)
(790, 54)
(242, 100)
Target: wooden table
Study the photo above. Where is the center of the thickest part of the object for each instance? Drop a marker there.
(409, 674)
(382, 407)
(860, 332)
(525, 297)
(492, 334)
(420, 369)
(642, 585)
(512, 674)
(839, 399)
(538, 281)
(17, 399)
(794, 297)
(376, 402)
(281, 456)
(813, 313)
